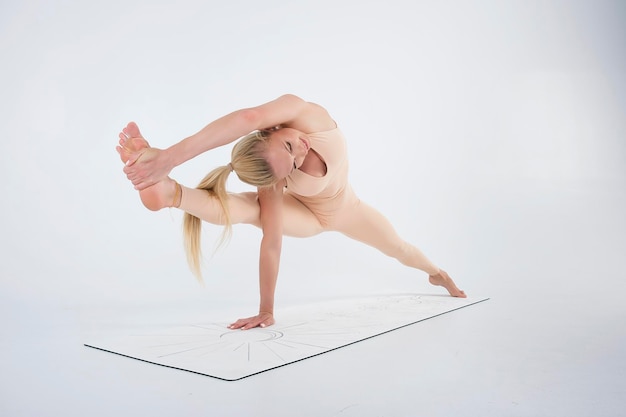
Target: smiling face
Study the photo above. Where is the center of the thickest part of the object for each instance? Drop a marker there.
(286, 150)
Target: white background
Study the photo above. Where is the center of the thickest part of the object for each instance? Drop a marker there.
(491, 133)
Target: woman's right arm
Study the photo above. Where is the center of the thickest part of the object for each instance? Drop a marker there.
(153, 164)
(271, 204)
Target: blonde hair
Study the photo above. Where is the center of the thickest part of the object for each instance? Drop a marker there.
(249, 163)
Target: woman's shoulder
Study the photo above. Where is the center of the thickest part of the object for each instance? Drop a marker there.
(314, 118)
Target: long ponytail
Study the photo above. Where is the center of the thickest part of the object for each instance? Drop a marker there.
(251, 167)
(215, 183)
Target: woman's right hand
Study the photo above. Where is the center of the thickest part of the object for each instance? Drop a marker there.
(262, 319)
(147, 167)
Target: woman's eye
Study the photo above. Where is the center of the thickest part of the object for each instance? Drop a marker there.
(289, 145)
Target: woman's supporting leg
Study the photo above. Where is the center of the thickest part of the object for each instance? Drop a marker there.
(365, 224)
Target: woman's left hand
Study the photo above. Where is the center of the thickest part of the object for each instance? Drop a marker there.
(260, 320)
(147, 167)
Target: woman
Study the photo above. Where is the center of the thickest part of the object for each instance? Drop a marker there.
(296, 157)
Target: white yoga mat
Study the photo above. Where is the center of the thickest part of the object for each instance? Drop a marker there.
(300, 332)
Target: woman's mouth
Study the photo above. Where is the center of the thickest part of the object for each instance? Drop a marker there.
(307, 145)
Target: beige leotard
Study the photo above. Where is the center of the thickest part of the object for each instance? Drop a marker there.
(312, 205)
(330, 195)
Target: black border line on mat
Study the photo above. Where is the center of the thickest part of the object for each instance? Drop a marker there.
(288, 363)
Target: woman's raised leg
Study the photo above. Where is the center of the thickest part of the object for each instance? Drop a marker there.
(244, 208)
(200, 203)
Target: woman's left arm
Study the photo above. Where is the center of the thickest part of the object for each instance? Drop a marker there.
(151, 165)
(271, 203)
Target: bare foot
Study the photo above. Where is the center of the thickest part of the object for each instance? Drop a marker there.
(442, 279)
(159, 195)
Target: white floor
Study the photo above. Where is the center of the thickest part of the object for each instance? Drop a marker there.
(550, 342)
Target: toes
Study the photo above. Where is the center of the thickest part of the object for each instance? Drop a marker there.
(139, 143)
(132, 130)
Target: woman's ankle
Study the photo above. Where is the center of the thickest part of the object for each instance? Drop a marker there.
(178, 195)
